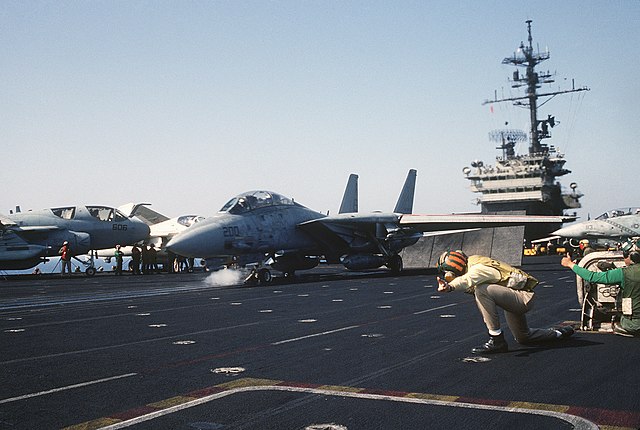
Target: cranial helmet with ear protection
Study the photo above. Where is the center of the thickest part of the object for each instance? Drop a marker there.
(454, 262)
(631, 249)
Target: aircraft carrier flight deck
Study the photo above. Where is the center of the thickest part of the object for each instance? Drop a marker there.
(330, 350)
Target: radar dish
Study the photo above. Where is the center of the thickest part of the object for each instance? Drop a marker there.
(507, 135)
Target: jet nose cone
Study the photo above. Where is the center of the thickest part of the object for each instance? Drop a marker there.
(185, 244)
(201, 240)
(144, 230)
(569, 231)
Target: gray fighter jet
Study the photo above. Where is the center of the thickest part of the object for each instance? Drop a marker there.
(276, 232)
(28, 238)
(617, 224)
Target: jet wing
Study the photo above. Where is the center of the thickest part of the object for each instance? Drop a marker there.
(38, 228)
(350, 231)
(141, 211)
(5, 221)
(430, 223)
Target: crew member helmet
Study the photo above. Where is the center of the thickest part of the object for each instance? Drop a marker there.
(453, 261)
(631, 249)
(627, 246)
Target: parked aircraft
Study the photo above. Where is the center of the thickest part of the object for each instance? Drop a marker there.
(162, 228)
(28, 238)
(272, 230)
(616, 224)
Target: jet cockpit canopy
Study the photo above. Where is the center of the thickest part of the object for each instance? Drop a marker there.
(619, 212)
(252, 200)
(104, 213)
(65, 213)
(189, 220)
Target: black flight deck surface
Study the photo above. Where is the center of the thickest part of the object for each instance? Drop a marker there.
(329, 350)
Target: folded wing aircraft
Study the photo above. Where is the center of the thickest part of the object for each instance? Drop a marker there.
(162, 228)
(28, 238)
(269, 229)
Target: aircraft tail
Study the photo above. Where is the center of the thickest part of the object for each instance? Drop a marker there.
(142, 212)
(350, 198)
(405, 201)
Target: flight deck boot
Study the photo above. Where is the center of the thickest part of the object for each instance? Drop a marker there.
(494, 345)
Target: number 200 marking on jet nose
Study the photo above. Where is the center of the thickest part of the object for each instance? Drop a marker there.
(231, 231)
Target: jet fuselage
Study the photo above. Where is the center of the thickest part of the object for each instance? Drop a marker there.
(265, 230)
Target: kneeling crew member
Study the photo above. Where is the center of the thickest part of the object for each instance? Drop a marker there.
(496, 284)
(629, 280)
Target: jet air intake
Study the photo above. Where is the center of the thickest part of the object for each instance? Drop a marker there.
(80, 242)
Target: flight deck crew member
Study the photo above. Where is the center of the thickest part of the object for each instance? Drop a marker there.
(629, 280)
(119, 255)
(496, 284)
(146, 265)
(136, 256)
(153, 259)
(65, 257)
(585, 248)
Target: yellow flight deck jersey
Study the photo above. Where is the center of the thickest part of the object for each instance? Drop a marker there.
(485, 270)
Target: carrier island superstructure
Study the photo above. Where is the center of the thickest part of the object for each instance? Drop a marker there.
(526, 183)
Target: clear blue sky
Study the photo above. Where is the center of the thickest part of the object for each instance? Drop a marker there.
(185, 104)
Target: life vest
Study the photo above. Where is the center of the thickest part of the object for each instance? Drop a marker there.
(510, 276)
(631, 291)
(64, 253)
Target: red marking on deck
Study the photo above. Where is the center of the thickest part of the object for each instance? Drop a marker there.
(491, 402)
(206, 392)
(607, 417)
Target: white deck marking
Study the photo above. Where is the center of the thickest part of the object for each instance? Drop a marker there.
(324, 333)
(228, 370)
(578, 423)
(184, 342)
(434, 309)
(68, 387)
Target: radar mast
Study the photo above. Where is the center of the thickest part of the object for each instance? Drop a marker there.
(526, 183)
(526, 58)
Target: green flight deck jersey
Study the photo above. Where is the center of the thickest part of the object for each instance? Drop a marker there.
(629, 280)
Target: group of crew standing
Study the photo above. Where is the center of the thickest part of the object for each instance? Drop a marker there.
(144, 260)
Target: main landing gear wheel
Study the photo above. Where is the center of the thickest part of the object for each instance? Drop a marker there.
(90, 271)
(264, 276)
(395, 264)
